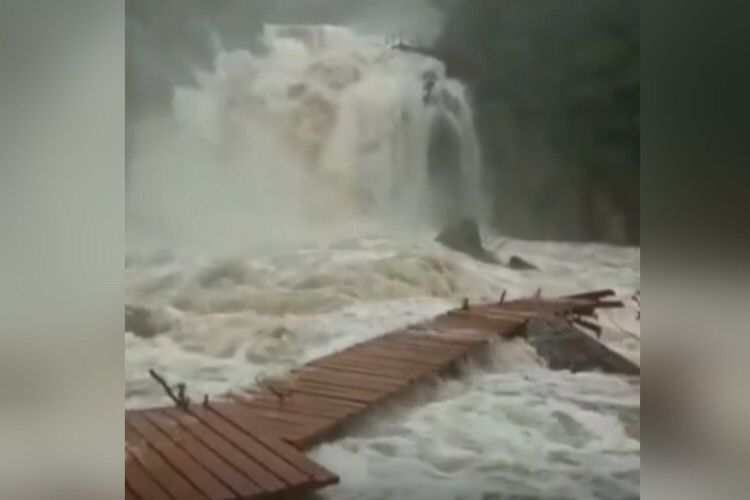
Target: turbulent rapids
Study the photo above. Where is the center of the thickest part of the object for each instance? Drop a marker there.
(323, 127)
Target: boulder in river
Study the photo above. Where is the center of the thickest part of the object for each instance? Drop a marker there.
(565, 347)
(463, 236)
(143, 323)
(517, 262)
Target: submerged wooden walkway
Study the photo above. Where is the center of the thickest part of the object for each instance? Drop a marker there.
(250, 444)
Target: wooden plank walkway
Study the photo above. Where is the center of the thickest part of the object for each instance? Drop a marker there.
(248, 445)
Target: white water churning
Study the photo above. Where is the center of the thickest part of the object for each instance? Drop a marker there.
(353, 125)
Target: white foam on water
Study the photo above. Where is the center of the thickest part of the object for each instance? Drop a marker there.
(323, 125)
(509, 426)
(526, 432)
(288, 196)
(275, 311)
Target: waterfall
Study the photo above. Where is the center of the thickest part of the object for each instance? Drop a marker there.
(346, 119)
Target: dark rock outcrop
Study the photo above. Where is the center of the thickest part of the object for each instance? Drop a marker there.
(143, 323)
(565, 347)
(463, 236)
(517, 262)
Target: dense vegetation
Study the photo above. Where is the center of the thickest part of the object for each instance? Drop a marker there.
(556, 87)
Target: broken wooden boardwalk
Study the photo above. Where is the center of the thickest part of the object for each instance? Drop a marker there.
(249, 445)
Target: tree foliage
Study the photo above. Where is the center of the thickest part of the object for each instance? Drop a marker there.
(557, 96)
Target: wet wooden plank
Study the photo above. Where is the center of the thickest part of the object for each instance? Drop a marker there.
(132, 439)
(289, 454)
(296, 397)
(419, 352)
(484, 327)
(450, 330)
(288, 428)
(285, 429)
(364, 393)
(536, 305)
(394, 350)
(470, 337)
(380, 352)
(275, 415)
(320, 474)
(373, 389)
(352, 380)
(344, 368)
(434, 349)
(173, 453)
(356, 360)
(301, 410)
(609, 304)
(140, 481)
(491, 322)
(344, 354)
(594, 295)
(219, 467)
(296, 404)
(388, 367)
(448, 321)
(229, 421)
(504, 320)
(358, 369)
(129, 494)
(426, 340)
(241, 460)
(164, 473)
(334, 392)
(300, 420)
(386, 362)
(515, 322)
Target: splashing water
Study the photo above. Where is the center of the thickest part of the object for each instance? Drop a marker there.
(323, 126)
(341, 116)
(506, 427)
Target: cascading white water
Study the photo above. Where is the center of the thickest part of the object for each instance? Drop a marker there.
(320, 126)
(344, 118)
